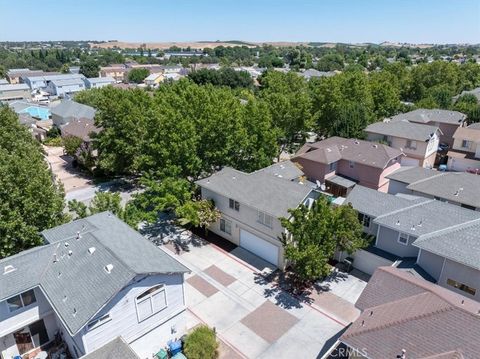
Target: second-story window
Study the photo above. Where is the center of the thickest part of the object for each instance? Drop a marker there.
(351, 164)
(364, 219)
(333, 166)
(466, 144)
(151, 302)
(234, 205)
(403, 239)
(21, 300)
(412, 144)
(265, 219)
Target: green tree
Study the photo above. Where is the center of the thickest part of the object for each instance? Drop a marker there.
(201, 343)
(469, 105)
(330, 62)
(138, 75)
(72, 144)
(65, 69)
(103, 201)
(313, 235)
(385, 94)
(89, 68)
(197, 213)
(30, 200)
(289, 102)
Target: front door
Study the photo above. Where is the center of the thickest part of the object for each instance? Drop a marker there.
(24, 342)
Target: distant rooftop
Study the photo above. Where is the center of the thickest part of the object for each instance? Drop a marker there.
(403, 129)
(436, 115)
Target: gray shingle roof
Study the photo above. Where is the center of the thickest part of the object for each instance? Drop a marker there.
(68, 82)
(68, 108)
(403, 129)
(14, 87)
(76, 282)
(375, 203)
(412, 174)
(460, 187)
(284, 169)
(426, 217)
(260, 190)
(97, 80)
(115, 349)
(362, 152)
(460, 244)
(435, 115)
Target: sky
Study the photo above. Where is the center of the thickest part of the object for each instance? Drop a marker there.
(350, 21)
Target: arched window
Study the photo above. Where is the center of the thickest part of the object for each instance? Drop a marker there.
(151, 301)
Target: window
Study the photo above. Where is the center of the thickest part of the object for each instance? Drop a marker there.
(333, 166)
(151, 301)
(461, 286)
(99, 321)
(403, 238)
(21, 300)
(466, 144)
(364, 219)
(265, 219)
(412, 144)
(351, 164)
(226, 226)
(234, 205)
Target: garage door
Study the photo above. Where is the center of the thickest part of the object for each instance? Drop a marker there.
(367, 262)
(407, 161)
(259, 247)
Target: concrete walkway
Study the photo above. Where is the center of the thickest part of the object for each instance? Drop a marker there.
(252, 316)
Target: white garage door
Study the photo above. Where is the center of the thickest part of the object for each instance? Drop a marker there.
(259, 247)
(367, 262)
(407, 161)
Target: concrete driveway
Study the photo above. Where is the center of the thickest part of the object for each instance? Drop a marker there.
(230, 289)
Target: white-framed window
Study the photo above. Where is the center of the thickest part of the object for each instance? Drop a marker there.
(412, 144)
(351, 164)
(21, 300)
(265, 219)
(333, 166)
(466, 143)
(403, 238)
(234, 204)
(226, 226)
(364, 219)
(461, 286)
(151, 301)
(99, 321)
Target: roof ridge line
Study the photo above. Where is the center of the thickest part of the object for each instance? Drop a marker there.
(439, 174)
(451, 228)
(404, 320)
(405, 208)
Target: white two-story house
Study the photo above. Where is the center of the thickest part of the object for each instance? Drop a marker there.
(252, 203)
(95, 280)
(418, 142)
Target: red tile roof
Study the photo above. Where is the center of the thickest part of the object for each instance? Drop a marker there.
(401, 311)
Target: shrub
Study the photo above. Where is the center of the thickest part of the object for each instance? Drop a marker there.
(53, 141)
(201, 343)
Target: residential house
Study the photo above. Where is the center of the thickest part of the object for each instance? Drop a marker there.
(42, 81)
(14, 92)
(447, 121)
(69, 110)
(407, 317)
(459, 188)
(3, 81)
(340, 163)
(65, 87)
(94, 280)
(98, 82)
(465, 152)
(431, 239)
(14, 76)
(153, 79)
(475, 92)
(312, 73)
(252, 203)
(418, 142)
(117, 72)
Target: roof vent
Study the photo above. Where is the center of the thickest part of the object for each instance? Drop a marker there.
(375, 145)
(66, 244)
(64, 298)
(356, 142)
(108, 268)
(9, 269)
(398, 223)
(55, 259)
(91, 250)
(70, 253)
(363, 323)
(74, 311)
(78, 236)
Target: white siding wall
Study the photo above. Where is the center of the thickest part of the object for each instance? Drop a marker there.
(10, 322)
(123, 313)
(461, 274)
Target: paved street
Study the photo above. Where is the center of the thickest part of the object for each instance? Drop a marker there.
(228, 290)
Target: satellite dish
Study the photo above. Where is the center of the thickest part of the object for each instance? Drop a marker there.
(323, 187)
